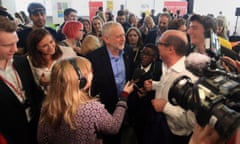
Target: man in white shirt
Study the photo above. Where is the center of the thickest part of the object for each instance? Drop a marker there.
(173, 47)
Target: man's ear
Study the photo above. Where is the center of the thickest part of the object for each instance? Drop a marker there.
(171, 48)
(105, 39)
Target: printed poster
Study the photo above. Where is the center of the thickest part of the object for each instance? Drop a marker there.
(60, 8)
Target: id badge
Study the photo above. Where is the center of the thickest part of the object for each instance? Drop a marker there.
(27, 111)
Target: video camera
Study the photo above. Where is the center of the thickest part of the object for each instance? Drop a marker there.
(214, 98)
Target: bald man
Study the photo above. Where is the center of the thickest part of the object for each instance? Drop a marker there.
(172, 46)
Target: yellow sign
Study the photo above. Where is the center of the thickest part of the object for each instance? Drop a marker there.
(109, 5)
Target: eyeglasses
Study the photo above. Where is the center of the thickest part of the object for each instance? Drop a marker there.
(164, 44)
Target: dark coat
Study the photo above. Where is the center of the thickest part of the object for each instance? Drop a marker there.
(151, 37)
(103, 83)
(13, 122)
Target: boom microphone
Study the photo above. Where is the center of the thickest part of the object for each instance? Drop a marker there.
(202, 65)
(212, 45)
(197, 63)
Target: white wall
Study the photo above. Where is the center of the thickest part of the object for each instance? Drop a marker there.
(10, 5)
(228, 7)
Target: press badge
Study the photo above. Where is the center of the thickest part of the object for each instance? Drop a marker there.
(27, 111)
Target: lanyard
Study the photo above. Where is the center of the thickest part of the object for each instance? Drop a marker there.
(18, 89)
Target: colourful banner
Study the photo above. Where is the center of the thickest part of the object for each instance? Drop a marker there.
(173, 6)
(93, 7)
(60, 8)
(109, 5)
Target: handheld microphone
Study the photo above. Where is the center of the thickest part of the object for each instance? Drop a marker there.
(137, 75)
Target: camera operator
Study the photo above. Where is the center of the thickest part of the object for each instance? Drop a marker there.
(173, 47)
(199, 29)
(204, 40)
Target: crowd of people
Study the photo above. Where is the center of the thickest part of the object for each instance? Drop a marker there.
(104, 80)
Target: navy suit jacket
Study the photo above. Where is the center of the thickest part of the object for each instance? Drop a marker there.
(13, 122)
(103, 83)
(151, 37)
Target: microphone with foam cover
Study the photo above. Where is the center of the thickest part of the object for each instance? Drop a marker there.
(197, 63)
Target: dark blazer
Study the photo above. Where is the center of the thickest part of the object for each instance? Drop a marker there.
(151, 36)
(13, 121)
(103, 83)
(140, 110)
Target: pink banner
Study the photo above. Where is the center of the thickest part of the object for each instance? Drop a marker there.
(93, 7)
(174, 6)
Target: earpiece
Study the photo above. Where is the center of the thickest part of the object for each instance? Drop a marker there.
(83, 80)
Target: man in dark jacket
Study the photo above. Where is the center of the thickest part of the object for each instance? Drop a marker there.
(20, 98)
(112, 66)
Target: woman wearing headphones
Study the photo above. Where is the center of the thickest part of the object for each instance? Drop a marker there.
(69, 115)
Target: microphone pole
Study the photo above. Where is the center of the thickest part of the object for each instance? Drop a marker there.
(235, 29)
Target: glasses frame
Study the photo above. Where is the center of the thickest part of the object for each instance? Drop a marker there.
(163, 43)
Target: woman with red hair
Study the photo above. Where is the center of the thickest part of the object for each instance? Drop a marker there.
(73, 31)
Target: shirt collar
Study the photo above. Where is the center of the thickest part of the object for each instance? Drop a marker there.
(146, 69)
(179, 66)
(9, 64)
(112, 57)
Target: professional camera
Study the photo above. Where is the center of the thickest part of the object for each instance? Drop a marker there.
(214, 98)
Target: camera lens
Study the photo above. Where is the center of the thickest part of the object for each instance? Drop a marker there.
(180, 92)
(210, 106)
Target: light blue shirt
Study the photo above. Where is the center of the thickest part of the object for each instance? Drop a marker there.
(119, 71)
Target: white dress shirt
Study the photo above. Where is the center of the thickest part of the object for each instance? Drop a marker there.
(180, 121)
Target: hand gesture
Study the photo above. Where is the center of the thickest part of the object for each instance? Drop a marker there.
(234, 63)
(128, 87)
(205, 135)
(43, 81)
(159, 104)
(148, 85)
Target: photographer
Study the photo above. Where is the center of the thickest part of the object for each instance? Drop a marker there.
(173, 47)
(199, 30)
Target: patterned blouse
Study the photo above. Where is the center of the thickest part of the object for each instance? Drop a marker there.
(92, 120)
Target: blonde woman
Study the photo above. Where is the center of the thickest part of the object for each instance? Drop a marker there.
(89, 44)
(69, 115)
(148, 25)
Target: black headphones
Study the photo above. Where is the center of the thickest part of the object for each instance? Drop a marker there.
(83, 80)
